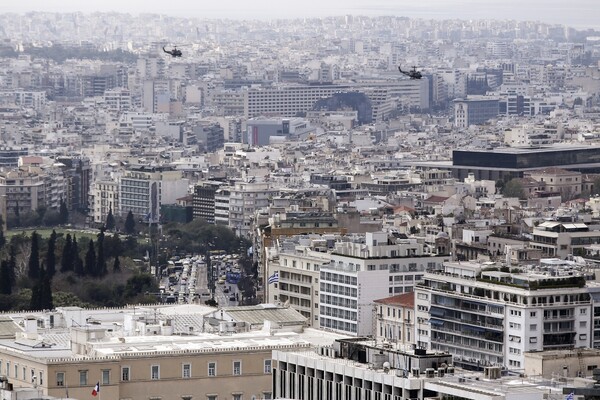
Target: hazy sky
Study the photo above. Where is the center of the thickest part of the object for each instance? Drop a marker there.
(577, 13)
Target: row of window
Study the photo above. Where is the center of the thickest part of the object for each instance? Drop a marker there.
(38, 379)
(186, 373)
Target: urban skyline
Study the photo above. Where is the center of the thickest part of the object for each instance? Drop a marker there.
(581, 14)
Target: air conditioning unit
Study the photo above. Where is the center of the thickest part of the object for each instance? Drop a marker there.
(429, 373)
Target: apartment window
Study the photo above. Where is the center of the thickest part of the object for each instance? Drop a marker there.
(211, 397)
(83, 378)
(582, 311)
(236, 396)
(124, 373)
(41, 377)
(532, 340)
(267, 366)
(106, 377)
(212, 369)
(7, 368)
(60, 379)
(187, 371)
(532, 314)
(533, 327)
(237, 367)
(154, 372)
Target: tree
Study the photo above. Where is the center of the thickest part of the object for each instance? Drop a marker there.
(129, 224)
(33, 267)
(513, 188)
(117, 265)
(5, 284)
(67, 261)
(100, 260)
(12, 264)
(50, 255)
(77, 261)
(41, 294)
(2, 237)
(110, 220)
(90, 260)
(63, 212)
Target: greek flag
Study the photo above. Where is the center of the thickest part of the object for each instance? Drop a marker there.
(275, 278)
(570, 396)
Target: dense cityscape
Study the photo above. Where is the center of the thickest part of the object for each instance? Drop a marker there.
(351, 207)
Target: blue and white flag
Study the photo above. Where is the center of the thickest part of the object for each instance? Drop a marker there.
(274, 278)
(570, 396)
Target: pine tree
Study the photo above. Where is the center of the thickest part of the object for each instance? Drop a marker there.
(33, 270)
(90, 260)
(5, 284)
(63, 212)
(129, 224)
(66, 262)
(117, 265)
(100, 260)
(110, 220)
(51, 256)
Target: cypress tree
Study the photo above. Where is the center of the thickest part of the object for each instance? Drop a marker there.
(117, 265)
(63, 212)
(51, 256)
(129, 223)
(100, 260)
(33, 270)
(46, 302)
(12, 264)
(110, 220)
(77, 261)
(90, 260)
(5, 284)
(66, 263)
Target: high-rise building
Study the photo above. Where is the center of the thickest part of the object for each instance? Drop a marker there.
(361, 271)
(475, 110)
(486, 317)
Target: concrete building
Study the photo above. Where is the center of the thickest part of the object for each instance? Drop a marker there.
(559, 239)
(396, 320)
(357, 369)
(170, 352)
(204, 200)
(143, 189)
(105, 197)
(24, 190)
(361, 271)
(485, 317)
(474, 110)
(245, 199)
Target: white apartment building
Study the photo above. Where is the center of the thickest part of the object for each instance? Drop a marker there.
(288, 101)
(298, 268)
(364, 270)
(485, 317)
(143, 189)
(246, 198)
(559, 239)
(105, 197)
(396, 320)
(117, 100)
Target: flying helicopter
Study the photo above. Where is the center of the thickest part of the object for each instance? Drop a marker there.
(174, 52)
(412, 74)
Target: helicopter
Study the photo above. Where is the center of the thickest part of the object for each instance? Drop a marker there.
(175, 52)
(412, 74)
